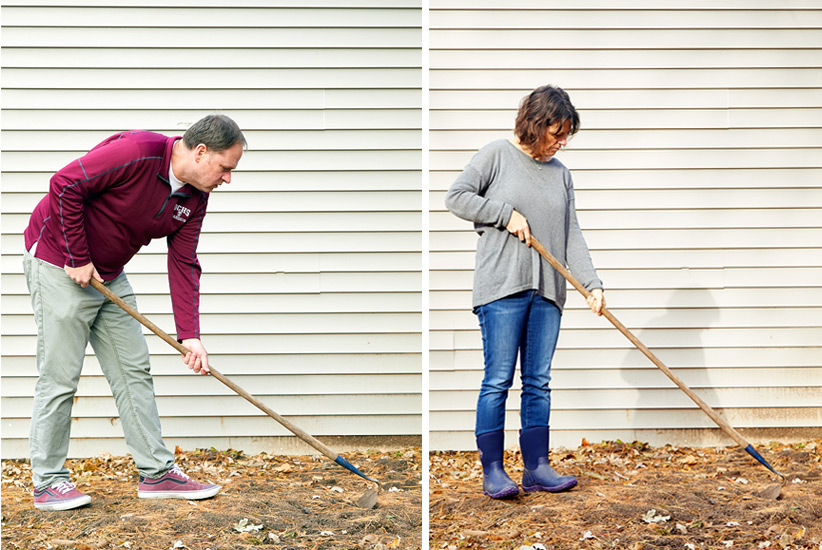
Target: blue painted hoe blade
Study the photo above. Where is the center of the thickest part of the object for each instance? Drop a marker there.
(345, 464)
(753, 452)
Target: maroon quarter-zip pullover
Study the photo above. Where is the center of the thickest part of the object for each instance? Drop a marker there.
(103, 207)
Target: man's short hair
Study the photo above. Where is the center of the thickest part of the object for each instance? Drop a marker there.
(217, 132)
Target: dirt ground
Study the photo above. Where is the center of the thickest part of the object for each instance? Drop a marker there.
(267, 501)
(636, 497)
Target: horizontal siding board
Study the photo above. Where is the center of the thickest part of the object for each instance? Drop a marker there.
(693, 319)
(282, 140)
(88, 406)
(227, 18)
(625, 378)
(272, 343)
(664, 180)
(635, 19)
(199, 99)
(628, 38)
(636, 399)
(287, 201)
(273, 58)
(306, 387)
(306, 119)
(218, 3)
(807, 337)
(681, 278)
(664, 259)
(668, 239)
(220, 300)
(293, 283)
(675, 357)
(562, 58)
(185, 37)
(638, 78)
(282, 222)
(220, 343)
(633, 403)
(80, 78)
(684, 199)
(590, 99)
(449, 4)
(34, 184)
(670, 298)
(266, 263)
(626, 6)
(273, 323)
(650, 139)
(291, 242)
(654, 159)
(674, 219)
(638, 119)
(237, 362)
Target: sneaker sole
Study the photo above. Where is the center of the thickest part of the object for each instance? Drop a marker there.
(64, 504)
(182, 495)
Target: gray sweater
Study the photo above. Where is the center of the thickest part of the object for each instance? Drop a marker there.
(499, 179)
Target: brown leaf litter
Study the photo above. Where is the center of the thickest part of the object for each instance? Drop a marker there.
(633, 496)
(267, 501)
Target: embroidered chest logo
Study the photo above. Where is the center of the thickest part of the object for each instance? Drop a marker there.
(181, 213)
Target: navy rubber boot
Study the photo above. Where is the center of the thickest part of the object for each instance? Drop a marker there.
(538, 474)
(495, 482)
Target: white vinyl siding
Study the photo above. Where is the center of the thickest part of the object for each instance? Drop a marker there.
(698, 175)
(311, 256)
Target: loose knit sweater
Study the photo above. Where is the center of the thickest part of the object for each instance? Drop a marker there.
(499, 179)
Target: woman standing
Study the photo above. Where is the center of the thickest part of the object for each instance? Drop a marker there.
(510, 189)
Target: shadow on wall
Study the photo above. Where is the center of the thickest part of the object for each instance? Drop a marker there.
(676, 339)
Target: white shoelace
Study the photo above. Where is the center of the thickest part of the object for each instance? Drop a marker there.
(63, 487)
(176, 470)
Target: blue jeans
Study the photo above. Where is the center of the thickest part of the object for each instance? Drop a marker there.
(523, 323)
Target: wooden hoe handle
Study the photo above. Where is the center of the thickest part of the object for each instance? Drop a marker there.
(314, 442)
(721, 422)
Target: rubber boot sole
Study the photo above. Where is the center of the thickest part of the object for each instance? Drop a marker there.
(508, 492)
(551, 489)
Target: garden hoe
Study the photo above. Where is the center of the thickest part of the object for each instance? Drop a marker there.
(721, 422)
(367, 500)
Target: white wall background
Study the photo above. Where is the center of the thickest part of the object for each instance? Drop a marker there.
(698, 173)
(311, 256)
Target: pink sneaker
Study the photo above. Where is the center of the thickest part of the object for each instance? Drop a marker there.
(60, 496)
(175, 484)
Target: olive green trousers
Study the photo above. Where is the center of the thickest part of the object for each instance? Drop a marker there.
(68, 318)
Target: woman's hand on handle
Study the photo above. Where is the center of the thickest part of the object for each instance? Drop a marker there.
(518, 226)
(596, 300)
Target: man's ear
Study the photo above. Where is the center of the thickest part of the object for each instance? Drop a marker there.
(199, 152)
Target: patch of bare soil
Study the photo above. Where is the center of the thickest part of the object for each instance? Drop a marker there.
(636, 497)
(267, 501)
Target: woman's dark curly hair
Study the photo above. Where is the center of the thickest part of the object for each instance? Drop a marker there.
(545, 106)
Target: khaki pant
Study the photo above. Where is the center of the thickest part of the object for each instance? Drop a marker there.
(68, 318)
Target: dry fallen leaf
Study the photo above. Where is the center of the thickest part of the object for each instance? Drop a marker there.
(771, 492)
